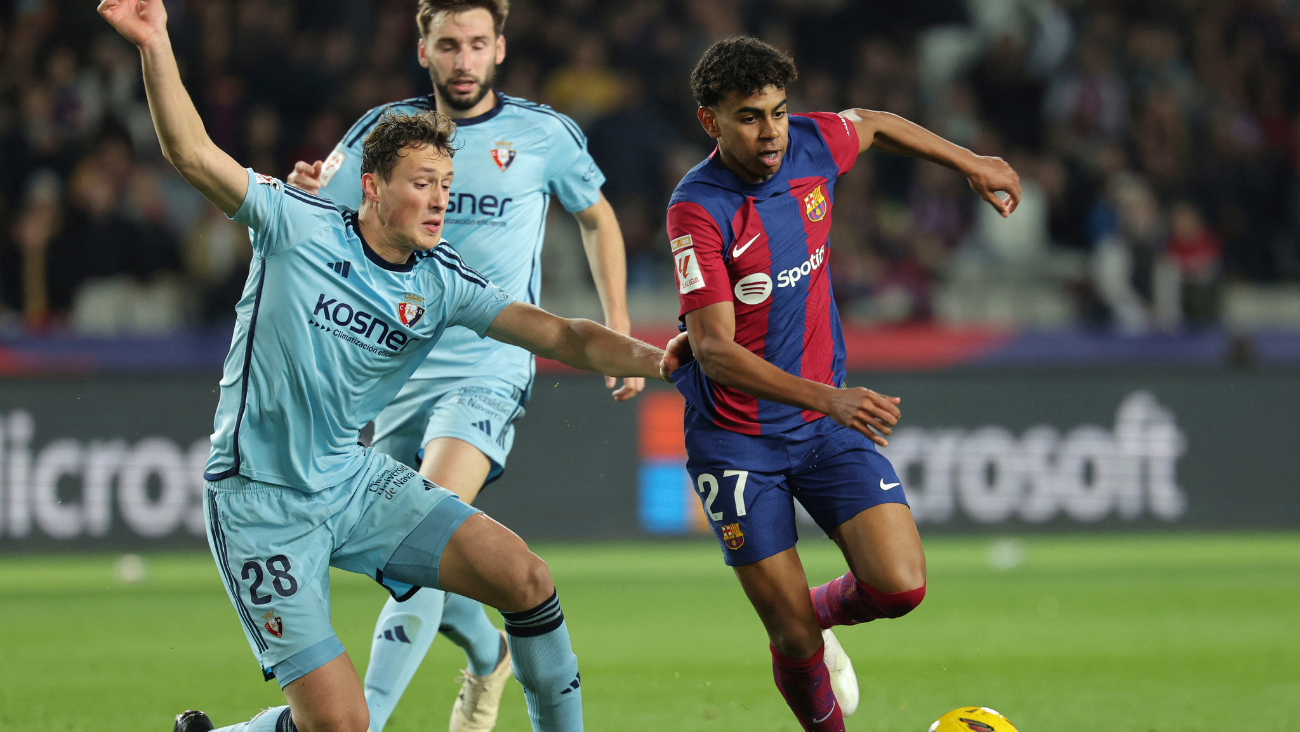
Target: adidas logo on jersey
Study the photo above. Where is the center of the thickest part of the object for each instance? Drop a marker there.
(342, 268)
(485, 426)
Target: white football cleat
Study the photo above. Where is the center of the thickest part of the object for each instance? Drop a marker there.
(479, 700)
(844, 682)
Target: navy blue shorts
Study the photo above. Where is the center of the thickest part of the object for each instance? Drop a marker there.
(747, 483)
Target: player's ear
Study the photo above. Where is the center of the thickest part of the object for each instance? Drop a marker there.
(709, 121)
(501, 48)
(370, 187)
(420, 52)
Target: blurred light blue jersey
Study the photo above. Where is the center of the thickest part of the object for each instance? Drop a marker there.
(511, 161)
(326, 334)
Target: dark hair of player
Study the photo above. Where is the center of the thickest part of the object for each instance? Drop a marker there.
(397, 132)
(429, 8)
(741, 64)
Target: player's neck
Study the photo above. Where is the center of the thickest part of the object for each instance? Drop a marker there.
(733, 165)
(484, 106)
(389, 248)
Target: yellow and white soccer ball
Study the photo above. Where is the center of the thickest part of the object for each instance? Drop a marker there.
(972, 719)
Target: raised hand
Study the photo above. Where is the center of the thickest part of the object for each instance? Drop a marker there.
(872, 414)
(632, 386)
(137, 20)
(306, 177)
(992, 176)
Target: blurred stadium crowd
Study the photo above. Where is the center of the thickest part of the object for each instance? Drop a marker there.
(1158, 142)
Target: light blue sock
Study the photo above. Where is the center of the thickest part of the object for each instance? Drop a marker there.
(543, 661)
(466, 623)
(275, 719)
(403, 634)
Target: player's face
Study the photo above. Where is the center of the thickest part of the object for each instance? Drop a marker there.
(411, 204)
(461, 52)
(752, 132)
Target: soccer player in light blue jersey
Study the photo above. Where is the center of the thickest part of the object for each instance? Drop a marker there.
(454, 421)
(340, 307)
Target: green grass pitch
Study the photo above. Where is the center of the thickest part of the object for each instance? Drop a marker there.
(1119, 633)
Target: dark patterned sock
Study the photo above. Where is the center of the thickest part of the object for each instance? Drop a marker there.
(846, 601)
(806, 686)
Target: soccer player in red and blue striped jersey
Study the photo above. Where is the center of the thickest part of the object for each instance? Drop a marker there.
(750, 228)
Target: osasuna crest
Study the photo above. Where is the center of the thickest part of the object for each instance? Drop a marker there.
(502, 155)
(274, 625)
(409, 313)
(733, 537)
(815, 204)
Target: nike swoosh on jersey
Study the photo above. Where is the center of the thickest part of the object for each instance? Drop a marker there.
(737, 251)
(886, 486)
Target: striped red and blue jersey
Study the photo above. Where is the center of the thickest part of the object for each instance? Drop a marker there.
(765, 247)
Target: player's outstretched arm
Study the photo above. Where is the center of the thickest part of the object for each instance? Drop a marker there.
(185, 143)
(712, 332)
(579, 343)
(603, 241)
(987, 176)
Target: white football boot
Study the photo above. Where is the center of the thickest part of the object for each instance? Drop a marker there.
(479, 700)
(844, 682)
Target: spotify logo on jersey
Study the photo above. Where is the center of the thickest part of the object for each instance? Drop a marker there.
(754, 288)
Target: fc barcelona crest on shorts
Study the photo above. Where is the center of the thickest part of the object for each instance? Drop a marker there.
(502, 155)
(274, 625)
(733, 537)
(410, 313)
(814, 204)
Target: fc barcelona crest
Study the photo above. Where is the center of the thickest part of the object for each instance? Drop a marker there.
(814, 204)
(733, 537)
(502, 155)
(410, 313)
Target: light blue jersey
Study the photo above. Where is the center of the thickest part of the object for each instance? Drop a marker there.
(326, 334)
(511, 161)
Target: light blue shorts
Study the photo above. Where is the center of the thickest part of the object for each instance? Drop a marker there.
(481, 411)
(274, 547)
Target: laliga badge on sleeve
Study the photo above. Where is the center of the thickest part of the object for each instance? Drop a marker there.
(331, 166)
(689, 275)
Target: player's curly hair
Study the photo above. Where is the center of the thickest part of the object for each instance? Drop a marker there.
(429, 8)
(742, 64)
(396, 132)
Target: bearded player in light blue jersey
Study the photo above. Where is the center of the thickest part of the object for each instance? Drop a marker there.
(454, 421)
(340, 308)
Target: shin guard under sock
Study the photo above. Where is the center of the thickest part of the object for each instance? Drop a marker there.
(806, 686)
(847, 601)
(403, 634)
(543, 661)
(275, 719)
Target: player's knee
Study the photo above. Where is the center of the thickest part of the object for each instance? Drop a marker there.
(794, 638)
(902, 578)
(531, 583)
(898, 604)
